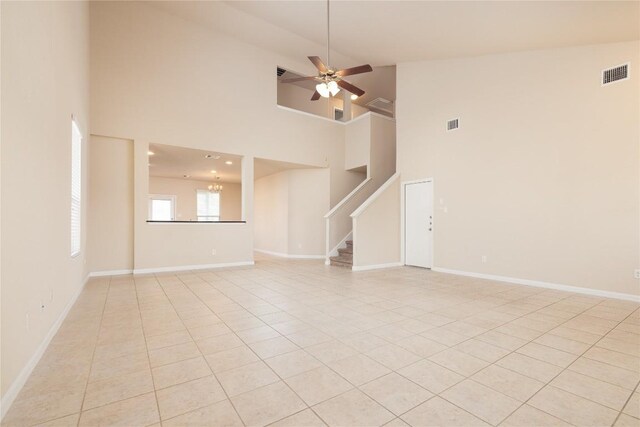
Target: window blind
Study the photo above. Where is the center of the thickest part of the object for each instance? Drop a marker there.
(76, 188)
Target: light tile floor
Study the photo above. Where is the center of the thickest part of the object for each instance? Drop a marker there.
(295, 343)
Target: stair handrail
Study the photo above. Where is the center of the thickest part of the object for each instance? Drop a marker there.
(348, 197)
(372, 198)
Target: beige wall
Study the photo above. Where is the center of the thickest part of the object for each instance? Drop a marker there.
(308, 203)
(130, 99)
(130, 41)
(357, 143)
(271, 208)
(110, 210)
(376, 230)
(185, 192)
(542, 176)
(370, 138)
(45, 80)
(298, 98)
(289, 221)
(168, 246)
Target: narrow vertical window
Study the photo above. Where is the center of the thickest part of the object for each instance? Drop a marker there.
(76, 187)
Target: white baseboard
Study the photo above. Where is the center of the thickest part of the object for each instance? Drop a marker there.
(547, 285)
(376, 266)
(283, 255)
(110, 273)
(23, 376)
(190, 267)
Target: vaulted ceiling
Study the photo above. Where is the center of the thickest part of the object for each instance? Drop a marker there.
(389, 32)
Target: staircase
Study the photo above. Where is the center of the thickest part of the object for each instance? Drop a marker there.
(345, 256)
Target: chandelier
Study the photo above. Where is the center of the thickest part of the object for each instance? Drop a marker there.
(215, 188)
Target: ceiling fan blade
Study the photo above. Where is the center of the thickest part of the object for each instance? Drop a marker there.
(354, 70)
(315, 96)
(350, 88)
(318, 63)
(297, 79)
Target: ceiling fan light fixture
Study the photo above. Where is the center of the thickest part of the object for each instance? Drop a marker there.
(323, 90)
(333, 88)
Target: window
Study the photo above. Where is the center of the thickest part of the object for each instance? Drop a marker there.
(76, 187)
(338, 114)
(162, 208)
(208, 205)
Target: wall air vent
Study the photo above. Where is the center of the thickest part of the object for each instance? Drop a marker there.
(281, 71)
(453, 124)
(381, 104)
(621, 72)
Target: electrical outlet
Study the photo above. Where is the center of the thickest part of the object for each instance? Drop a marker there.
(213, 252)
(484, 259)
(636, 273)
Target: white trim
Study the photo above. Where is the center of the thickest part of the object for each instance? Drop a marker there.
(347, 198)
(110, 273)
(293, 256)
(367, 114)
(308, 114)
(372, 198)
(190, 267)
(539, 284)
(403, 184)
(376, 266)
(23, 376)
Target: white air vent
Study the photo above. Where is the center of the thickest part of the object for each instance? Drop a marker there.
(621, 72)
(453, 124)
(381, 104)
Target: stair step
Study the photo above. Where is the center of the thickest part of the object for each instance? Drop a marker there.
(347, 250)
(336, 263)
(342, 261)
(349, 243)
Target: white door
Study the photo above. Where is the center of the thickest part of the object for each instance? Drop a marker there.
(418, 224)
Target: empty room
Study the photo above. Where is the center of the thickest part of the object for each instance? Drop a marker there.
(319, 213)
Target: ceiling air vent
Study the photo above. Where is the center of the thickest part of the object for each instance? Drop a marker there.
(621, 72)
(281, 71)
(381, 104)
(453, 124)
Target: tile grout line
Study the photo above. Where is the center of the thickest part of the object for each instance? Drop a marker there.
(146, 345)
(564, 369)
(104, 307)
(239, 285)
(201, 354)
(635, 390)
(512, 351)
